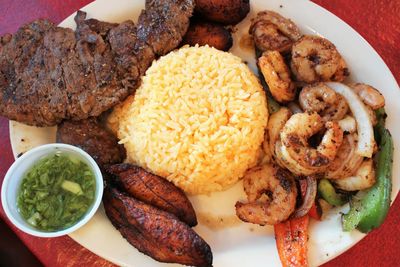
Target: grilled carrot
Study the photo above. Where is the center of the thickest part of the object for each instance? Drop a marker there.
(291, 240)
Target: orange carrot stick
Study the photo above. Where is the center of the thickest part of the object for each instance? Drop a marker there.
(291, 240)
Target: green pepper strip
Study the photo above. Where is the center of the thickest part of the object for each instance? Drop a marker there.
(368, 209)
(328, 193)
(380, 126)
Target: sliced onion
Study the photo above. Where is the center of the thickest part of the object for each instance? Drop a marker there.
(308, 199)
(348, 124)
(366, 139)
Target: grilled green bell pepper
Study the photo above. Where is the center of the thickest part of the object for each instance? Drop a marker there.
(328, 193)
(368, 208)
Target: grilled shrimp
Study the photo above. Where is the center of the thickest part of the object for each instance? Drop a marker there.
(271, 31)
(277, 76)
(325, 101)
(271, 192)
(295, 135)
(275, 124)
(364, 178)
(369, 95)
(347, 161)
(316, 59)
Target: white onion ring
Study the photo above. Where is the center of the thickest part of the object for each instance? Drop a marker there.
(309, 198)
(348, 124)
(366, 141)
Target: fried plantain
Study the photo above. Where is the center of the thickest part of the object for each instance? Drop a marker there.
(153, 190)
(208, 33)
(154, 232)
(222, 11)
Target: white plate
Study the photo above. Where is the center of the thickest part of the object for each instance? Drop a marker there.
(241, 244)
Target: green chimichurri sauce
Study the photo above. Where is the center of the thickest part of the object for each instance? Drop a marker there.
(56, 192)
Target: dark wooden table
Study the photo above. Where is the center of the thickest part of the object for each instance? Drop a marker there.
(378, 21)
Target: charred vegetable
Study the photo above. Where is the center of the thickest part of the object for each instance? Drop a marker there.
(291, 240)
(368, 209)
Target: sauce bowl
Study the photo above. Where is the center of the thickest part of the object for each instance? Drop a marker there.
(14, 176)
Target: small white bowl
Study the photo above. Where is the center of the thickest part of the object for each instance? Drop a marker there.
(13, 179)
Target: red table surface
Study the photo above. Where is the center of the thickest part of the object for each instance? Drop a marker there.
(378, 21)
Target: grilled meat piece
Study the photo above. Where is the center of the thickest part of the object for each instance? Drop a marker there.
(49, 73)
(95, 139)
(154, 232)
(25, 58)
(132, 55)
(163, 23)
(99, 27)
(153, 190)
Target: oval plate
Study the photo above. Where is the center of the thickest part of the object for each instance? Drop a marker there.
(234, 243)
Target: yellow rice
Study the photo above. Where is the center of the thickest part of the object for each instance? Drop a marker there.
(198, 119)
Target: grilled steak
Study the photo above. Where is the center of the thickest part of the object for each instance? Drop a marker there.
(153, 190)
(48, 73)
(131, 54)
(154, 232)
(92, 137)
(163, 23)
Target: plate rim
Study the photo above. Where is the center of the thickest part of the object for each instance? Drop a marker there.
(338, 19)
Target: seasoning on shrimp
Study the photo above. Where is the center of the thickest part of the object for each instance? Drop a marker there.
(320, 98)
(316, 59)
(295, 136)
(347, 161)
(369, 95)
(275, 124)
(277, 76)
(271, 31)
(364, 178)
(271, 192)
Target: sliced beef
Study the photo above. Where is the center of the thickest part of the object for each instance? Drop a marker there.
(100, 27)
(49, 74)
(95, 139)
(132, 55)
(163, 23)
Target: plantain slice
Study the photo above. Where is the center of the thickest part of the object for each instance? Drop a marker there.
(154, 232)
(153, 190)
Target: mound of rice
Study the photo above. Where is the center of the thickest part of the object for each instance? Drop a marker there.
(198, 119)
